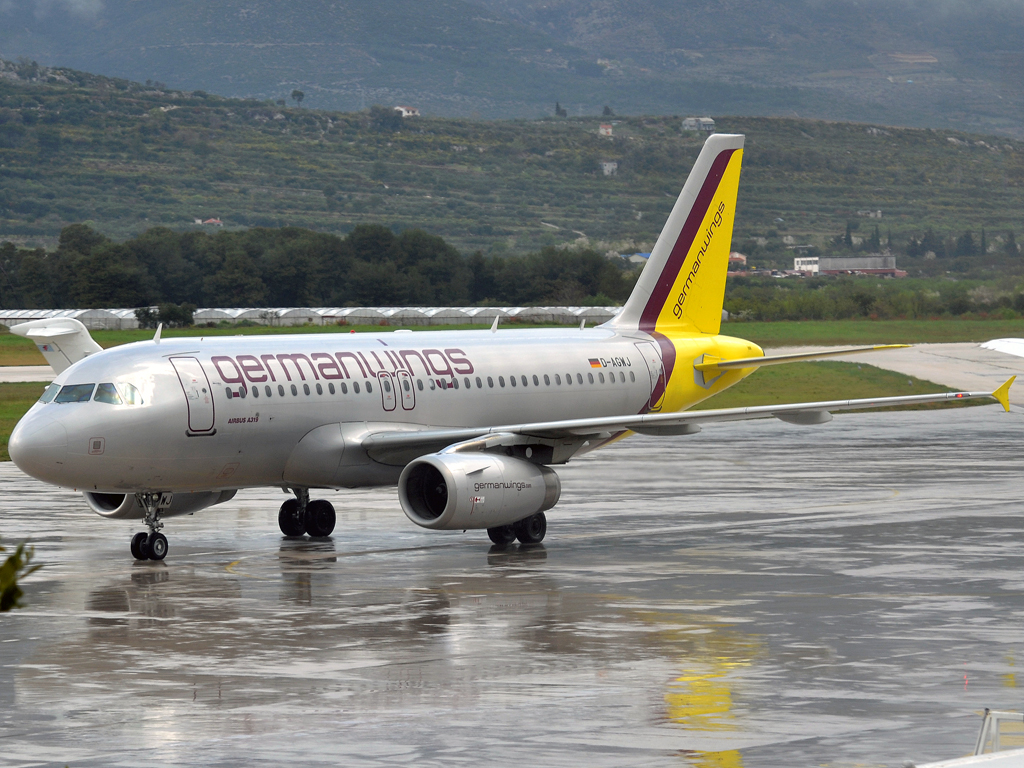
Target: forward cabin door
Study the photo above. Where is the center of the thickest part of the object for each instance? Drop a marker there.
(655, 369)
(198, 395)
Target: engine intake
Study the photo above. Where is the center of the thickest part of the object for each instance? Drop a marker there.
(455, 491)
(123, 507)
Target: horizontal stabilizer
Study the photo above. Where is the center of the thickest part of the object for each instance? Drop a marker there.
(63, 341)
(711, 363)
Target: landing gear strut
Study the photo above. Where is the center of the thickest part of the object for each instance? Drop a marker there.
(152, 545)
(300, 515)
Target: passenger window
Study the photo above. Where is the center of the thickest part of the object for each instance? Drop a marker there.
(579, 378)
(558, 380)
(255, 391)
(319, 389)
(268, 391)
(536, 381)
(387, 386)
(49, 393)
(330, 387)
(355, 387)
(501, 381)
(632, 377)
(432, 385)
(490, 382)
(590, 377)
(599, 376)
(295, 392)
(467, 383)
(369, 387)
(568, 379)
(75, 393)
(547, 381)
(105, 393)
(479, 384)
(419, 384)
(280, 390)
(227, 393)
(305, 389)
(455, 382)
(512, 380)
(406, 385)
(622, 377)
(344, 388)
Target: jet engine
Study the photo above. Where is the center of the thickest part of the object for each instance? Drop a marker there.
(124, 507)
(455, 491)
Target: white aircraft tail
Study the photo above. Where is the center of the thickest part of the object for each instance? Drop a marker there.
(683, 283)
(62, 340)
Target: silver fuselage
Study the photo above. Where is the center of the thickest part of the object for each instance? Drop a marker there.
(190, 434)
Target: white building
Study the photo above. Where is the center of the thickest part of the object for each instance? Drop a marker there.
(407, 111)
(806, 264)
(705, 124)
(609, 167)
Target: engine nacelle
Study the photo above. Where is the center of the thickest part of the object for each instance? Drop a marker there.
(455, 491)
(122, 506)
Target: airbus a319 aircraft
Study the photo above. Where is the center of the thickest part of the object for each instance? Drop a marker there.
(467, 423)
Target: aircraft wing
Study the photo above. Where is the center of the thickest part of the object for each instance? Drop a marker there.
(1008, 346)
(391, 443)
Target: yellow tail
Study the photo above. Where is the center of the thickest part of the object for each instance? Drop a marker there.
(683, 284)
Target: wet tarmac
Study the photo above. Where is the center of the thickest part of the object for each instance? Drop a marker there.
(759, 594)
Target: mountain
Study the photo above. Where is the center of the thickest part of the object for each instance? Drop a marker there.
(125, 156)
(941, 63)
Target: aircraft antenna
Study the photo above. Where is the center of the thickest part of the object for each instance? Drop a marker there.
(159, 328)
(494, 325)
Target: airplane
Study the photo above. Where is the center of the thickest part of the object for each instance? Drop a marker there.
(467, 424)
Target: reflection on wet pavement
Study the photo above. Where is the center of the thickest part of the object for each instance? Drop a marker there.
(755, 595)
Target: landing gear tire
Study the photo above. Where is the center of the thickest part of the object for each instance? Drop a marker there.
(289, 520)
(531, 530)
(139, 550)
(502, 535)
(156, 546)
(320, 518)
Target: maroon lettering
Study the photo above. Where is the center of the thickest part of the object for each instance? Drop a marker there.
(328, 369)
(341, 359)
(405, 353)
(267, 360)
(446, 371)
(295, 360)
(227, 379)
(251, 365)
(467, 367)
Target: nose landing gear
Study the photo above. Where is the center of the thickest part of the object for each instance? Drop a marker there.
(152, 545)
(300, 515)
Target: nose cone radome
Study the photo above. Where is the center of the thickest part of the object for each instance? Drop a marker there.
(39, 447)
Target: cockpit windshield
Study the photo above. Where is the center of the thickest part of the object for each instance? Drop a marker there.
(107, 393)
(75, 393)
(49, 393)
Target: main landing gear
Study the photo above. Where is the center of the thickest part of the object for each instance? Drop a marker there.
(529, 530)
(300, 515)
(152, 545)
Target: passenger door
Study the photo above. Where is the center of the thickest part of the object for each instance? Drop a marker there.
(198, 395)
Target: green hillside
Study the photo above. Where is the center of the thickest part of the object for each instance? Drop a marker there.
(126, 157)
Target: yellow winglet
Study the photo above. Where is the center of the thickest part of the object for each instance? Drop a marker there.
(1003, 393)
(891, 346)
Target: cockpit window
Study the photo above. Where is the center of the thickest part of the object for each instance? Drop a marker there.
(49, 393)
(75, 393)
(106, 393)
(132, 396)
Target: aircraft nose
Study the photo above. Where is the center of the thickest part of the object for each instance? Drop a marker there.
(39, 447)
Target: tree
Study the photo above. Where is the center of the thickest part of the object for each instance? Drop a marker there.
(608, 111)
(384, 119)
(14, 567)
(1011, 244)
(236, 284)
(559, 112)
(875, 243)
(965, 245)
(984, 242)
(848, 237)
(298, 96)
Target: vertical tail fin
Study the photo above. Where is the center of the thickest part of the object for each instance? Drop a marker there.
(683, 284)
